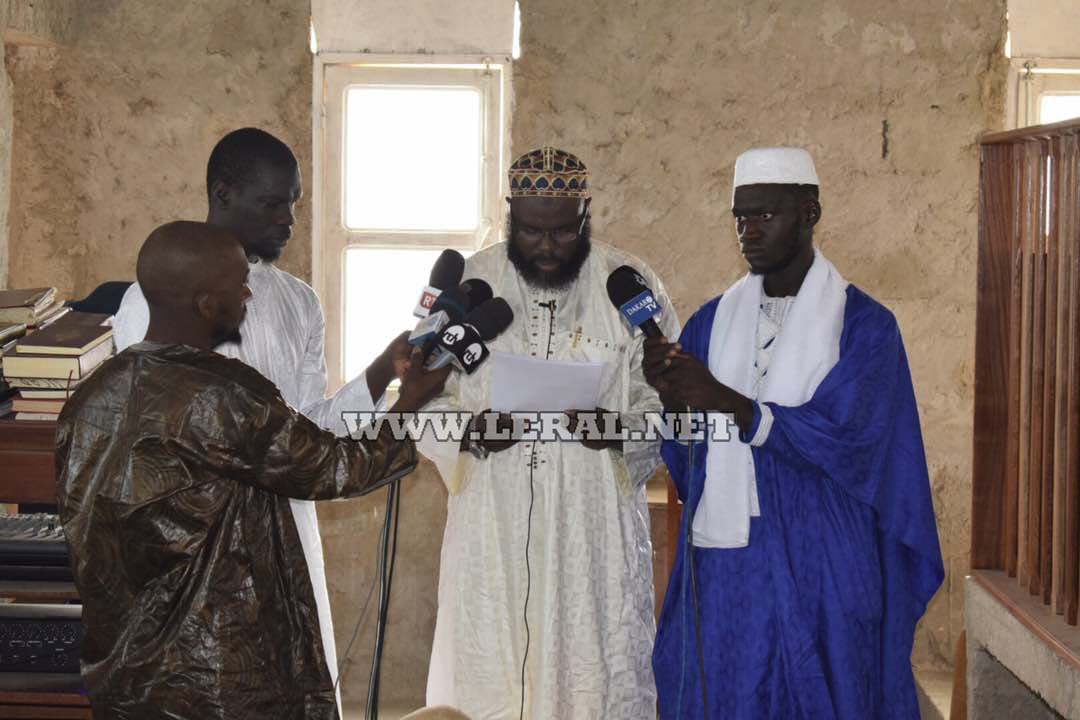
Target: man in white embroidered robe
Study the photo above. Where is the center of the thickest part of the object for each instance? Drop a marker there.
(590, 625)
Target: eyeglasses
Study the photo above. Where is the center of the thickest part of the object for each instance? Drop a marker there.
(563, 236)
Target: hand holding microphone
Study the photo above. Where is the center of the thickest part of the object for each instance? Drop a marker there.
(682, 380)
(391, 363)
(419, 385)
(628, 292)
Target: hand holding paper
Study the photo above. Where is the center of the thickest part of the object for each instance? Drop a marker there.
(524, 384)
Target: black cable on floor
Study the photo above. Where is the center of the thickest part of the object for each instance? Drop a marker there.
(528, 583)
(386, 572)
(344, 661)
(694, 595)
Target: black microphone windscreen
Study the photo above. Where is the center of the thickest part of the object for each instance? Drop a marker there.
(477, 291)
(623, 284)
(447, 271)
(491, 318)
(454, 302)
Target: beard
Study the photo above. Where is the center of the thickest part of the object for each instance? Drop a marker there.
(266, 250)
(227, 336)
(564, 275)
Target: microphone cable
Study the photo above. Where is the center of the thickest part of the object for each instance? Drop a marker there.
(528, 583)
(691, 575)
(345, 660)
(550, 306)
(386, 572)
(697, 606)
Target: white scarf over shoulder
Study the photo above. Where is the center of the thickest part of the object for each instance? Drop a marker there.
(807, 348)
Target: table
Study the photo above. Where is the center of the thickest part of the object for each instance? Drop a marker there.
(28, 475)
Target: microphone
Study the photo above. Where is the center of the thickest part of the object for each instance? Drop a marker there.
(477, 291)
(463, 343)
(629, 292)
(449, 307)
(445, 274)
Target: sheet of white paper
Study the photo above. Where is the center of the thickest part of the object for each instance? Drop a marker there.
(520, 383)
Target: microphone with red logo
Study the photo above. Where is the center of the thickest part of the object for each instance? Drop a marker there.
(630, 293)
(445, 274)
(463, 343)
(449, 308)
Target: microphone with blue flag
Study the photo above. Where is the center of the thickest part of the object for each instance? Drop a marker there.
(629, 292)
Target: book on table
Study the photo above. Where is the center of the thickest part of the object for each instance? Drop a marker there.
(46, 393)
(18, 365)
(76, 333)
(23, 404)
(37, 383)
(25, 305)
(41, 416)
(14, 331)
(50, 315)
(68, 349)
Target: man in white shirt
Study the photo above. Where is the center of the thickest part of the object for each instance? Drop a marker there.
(253, 184)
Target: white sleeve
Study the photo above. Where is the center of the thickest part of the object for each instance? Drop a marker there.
(446, 454)
(326, 411)
(132, 319)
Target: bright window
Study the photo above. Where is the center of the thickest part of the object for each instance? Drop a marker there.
(1043, 91)
(377, 310)
(413, 158)
(411, 163)
(1054, 107)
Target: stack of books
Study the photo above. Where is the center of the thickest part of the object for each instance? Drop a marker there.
(32, 307)
(7, 399)
(9, 333)
(46, 366)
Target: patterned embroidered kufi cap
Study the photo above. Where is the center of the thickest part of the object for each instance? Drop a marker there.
(549, 172)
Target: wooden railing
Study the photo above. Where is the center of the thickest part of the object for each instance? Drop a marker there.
(1026, 470)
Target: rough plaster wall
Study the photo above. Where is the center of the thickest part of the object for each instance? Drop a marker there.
(112, 134)
(1040, 28)
(350, 531)
(6, 117)
(414, 26)
(659, 99)
(40, 22)
(112, 131)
